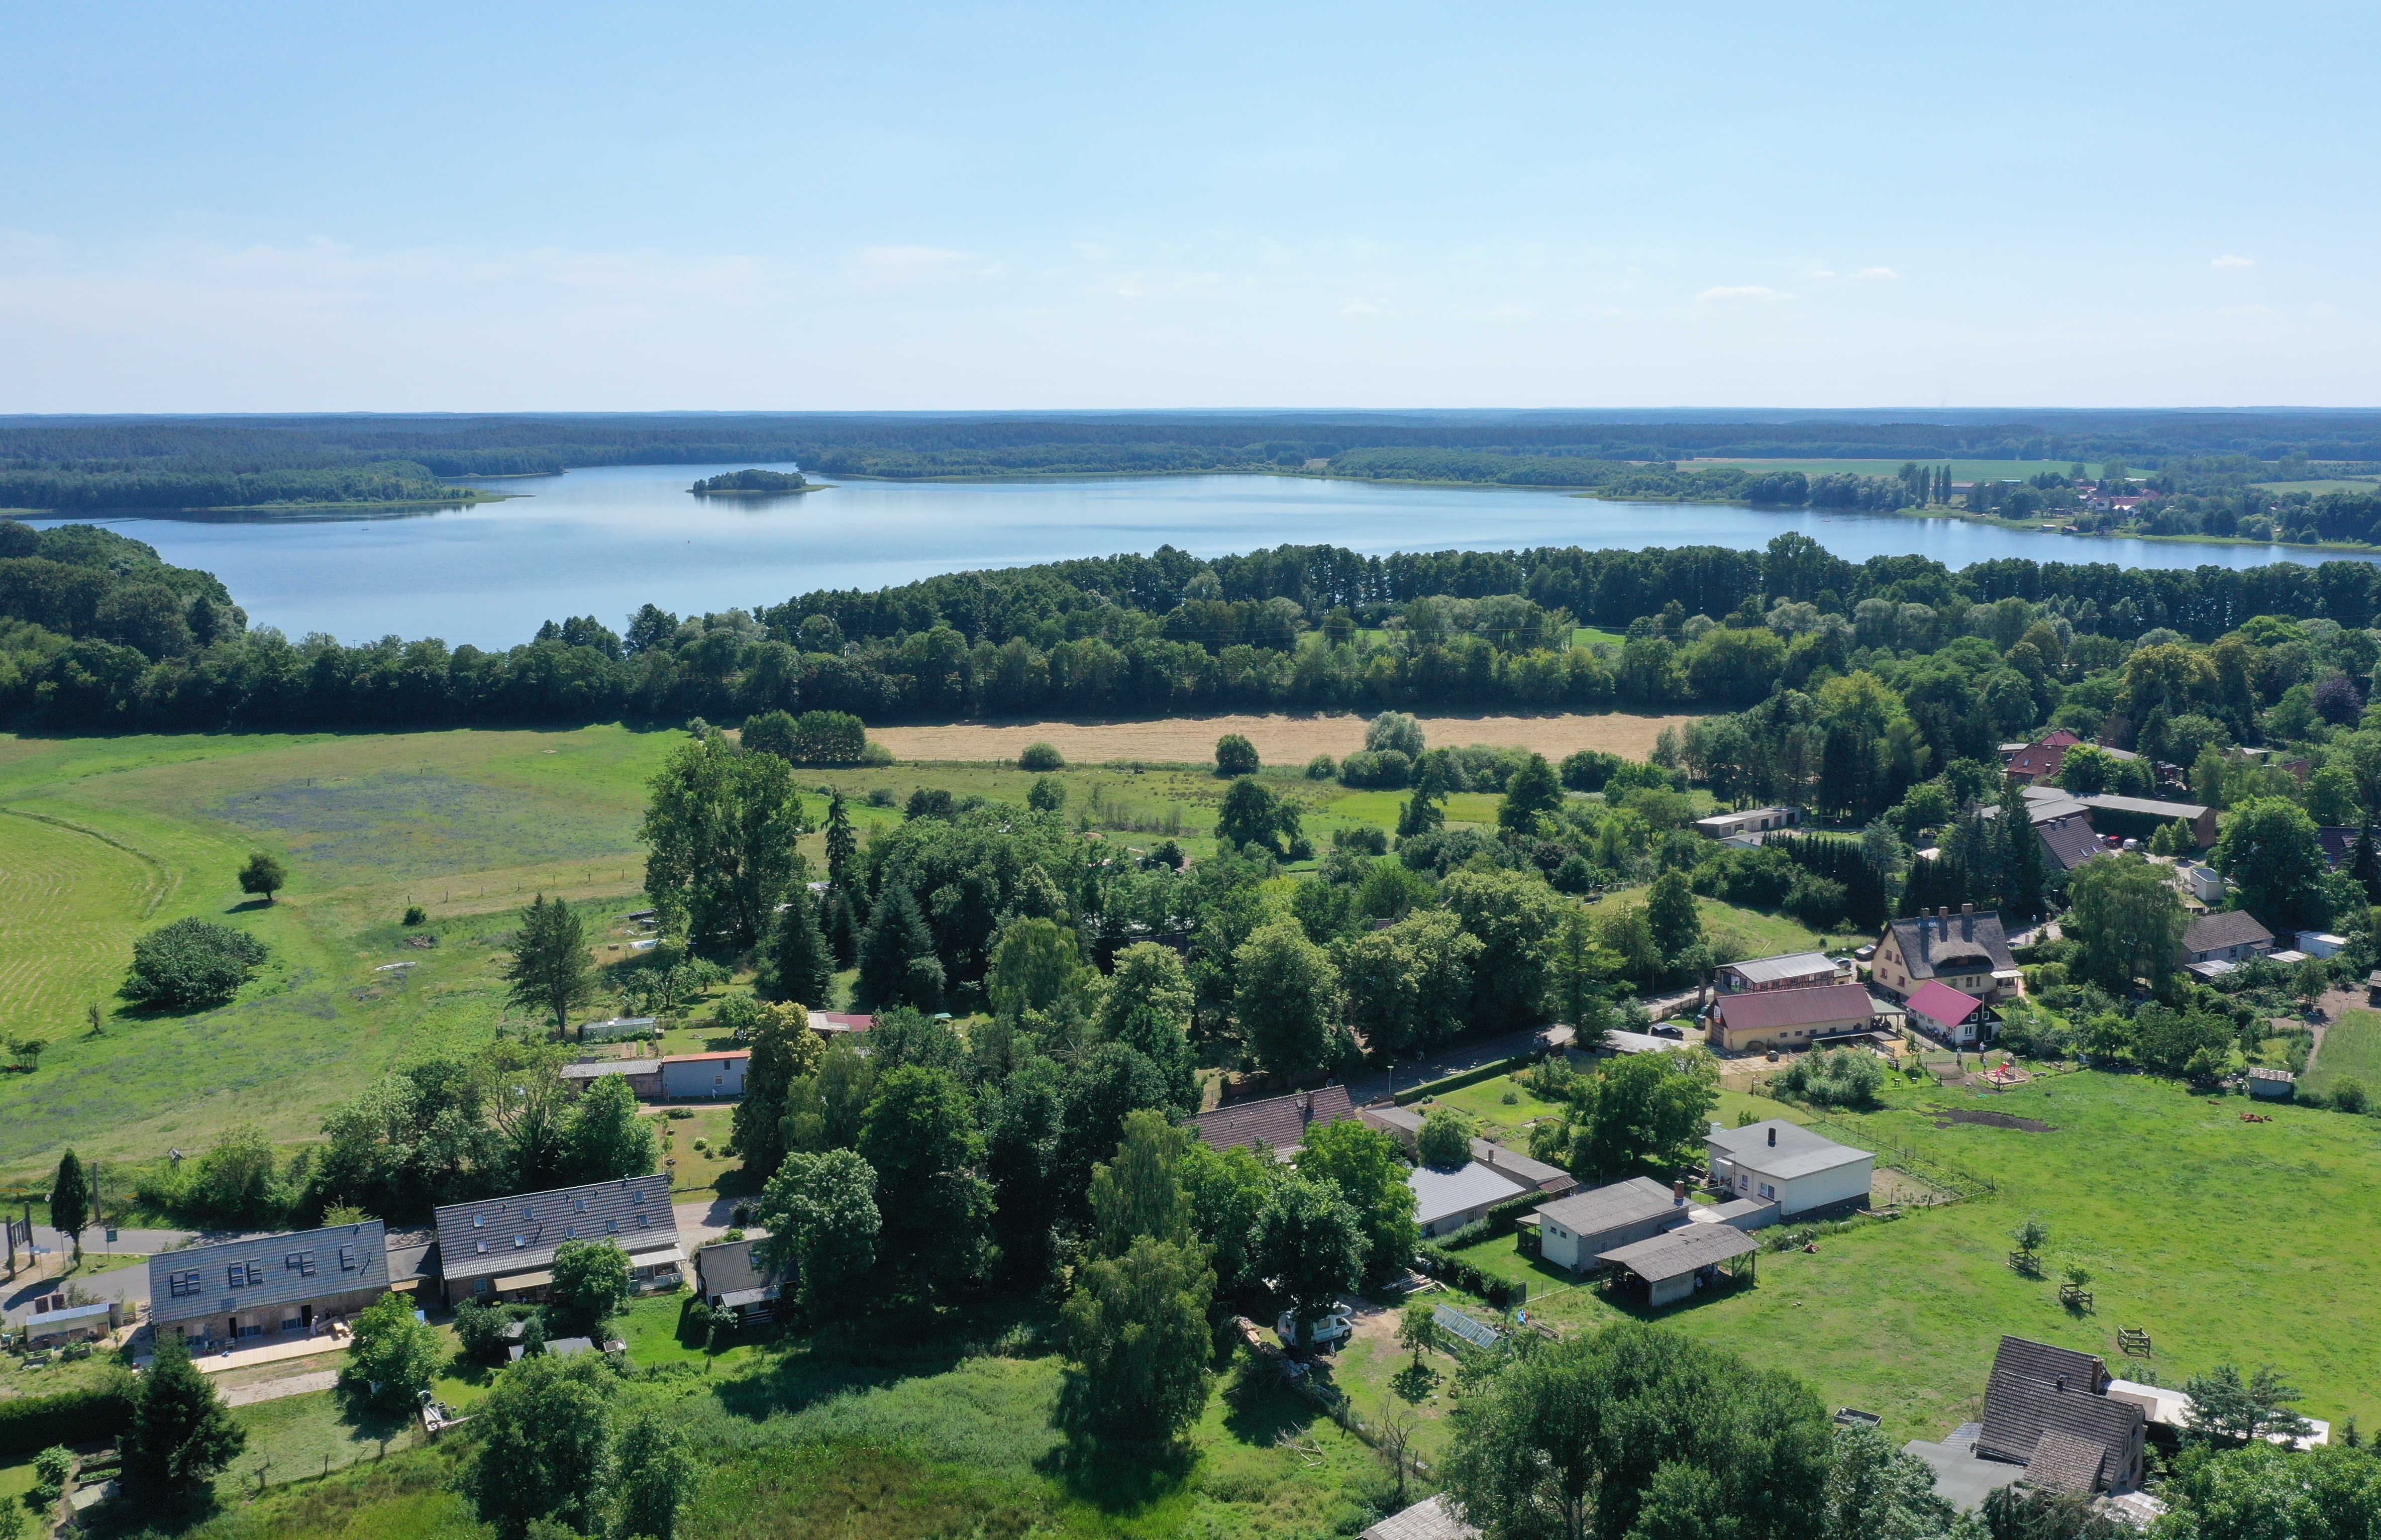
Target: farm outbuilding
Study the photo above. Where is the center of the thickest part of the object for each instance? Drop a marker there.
(1672, 1265)
(1573, 1231)
(692, 1077)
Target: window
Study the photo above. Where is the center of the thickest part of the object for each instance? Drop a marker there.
(244, 1275)
(183, 1285)
(528, 1213)
(520, 1242)
(1768, 1191)
(484, 1248)
(579, 1206)
(612, 1227)
(479, 1221)
(248, 1328)
(347, 1259)
(302, 1263)
(570, 1232)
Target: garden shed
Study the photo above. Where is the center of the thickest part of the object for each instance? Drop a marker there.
(1573, 1231)
(1674, 1265)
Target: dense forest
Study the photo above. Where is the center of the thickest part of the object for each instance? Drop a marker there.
(97, 633)
(198, 463)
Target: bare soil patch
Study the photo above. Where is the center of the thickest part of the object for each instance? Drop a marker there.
(1280, 739)
(1997, 1120)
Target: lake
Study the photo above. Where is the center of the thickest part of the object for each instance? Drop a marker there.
(605, 541)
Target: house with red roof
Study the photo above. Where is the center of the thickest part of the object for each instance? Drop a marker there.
(1789, 1018)
(1952, 1015)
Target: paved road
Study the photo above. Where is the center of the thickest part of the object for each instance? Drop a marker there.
(129, 1284)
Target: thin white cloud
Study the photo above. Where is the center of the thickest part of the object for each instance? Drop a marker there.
(2229, 260)
(1821, 272)
(904, 265)
(1876, 273)
(1742, 291)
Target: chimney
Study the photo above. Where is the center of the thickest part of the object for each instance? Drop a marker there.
(1967, 908)
(1773, 1136)
(1679, 1191)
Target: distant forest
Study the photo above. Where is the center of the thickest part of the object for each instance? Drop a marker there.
(97, 633)
(157, 462)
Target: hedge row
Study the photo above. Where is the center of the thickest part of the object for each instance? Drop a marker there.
(31, 1424)
(1470, 1077)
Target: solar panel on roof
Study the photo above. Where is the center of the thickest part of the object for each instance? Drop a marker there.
(1465, 1327)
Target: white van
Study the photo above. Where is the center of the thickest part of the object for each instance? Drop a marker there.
(1325, 1335)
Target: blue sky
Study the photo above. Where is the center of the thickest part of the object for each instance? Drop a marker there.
(269, 207)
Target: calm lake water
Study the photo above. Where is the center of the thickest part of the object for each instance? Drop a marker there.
(605, 541)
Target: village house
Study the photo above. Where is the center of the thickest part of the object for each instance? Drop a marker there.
(1447, 1199)
(2226, 937)
(268, 1288)
(1573, 1230)
(1671, 1266)
(695, 1077)
(1967, 951)
(2041, 762)
(643, 1075)
(1789, 1018)
(1794, 971)
(1275, 1126)
(731, 1276)
(1759, 820)
(2048, 1409)
(1948, 1015)
(502, 1249)
(1786, 1164)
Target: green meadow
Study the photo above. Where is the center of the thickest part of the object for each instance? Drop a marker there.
(102, 839)
(2225, 1239)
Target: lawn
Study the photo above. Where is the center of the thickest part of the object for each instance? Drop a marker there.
(298, 1436)
(2351, 1046)
(1751, 932)
(2225, 1239)
(1498, 1121)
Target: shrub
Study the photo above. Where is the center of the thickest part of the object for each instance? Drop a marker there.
(1367, 840)
(1041, 756)
(1322, 767)
(1393, 731)
(191, 962)
(1589, 770)
(1386, 769)
(94, 1415)
(2348, 1094)
(1837, 1077)
(876, 755)
(1235, 755)
(416, 916)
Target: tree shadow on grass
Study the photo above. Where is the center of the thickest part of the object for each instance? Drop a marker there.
(801, 1369)
(1120, 1478)
(1415, 1382)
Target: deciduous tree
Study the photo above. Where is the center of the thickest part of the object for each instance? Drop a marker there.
(720, 830)
(823, 1220)
(1310, 1243)
(1286, 992)
(2129, 920)
(1138, 1344)
(1139, 1195)
(1370, 1172)
(919, 1138)
(590, 1284)
(542, 1446)
(264, 875)
(395, 1356)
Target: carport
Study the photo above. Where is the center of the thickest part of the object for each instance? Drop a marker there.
(1671, 1266)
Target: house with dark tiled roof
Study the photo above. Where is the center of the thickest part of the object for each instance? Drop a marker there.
(502, 1248)
(732, 1276)
(268, 1288)
(2068, 842)
(2048, 1409)
(2226, 937)
(1277, 1124)
(1967, 951)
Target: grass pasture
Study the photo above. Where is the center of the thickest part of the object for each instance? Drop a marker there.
(2225, 1239)
(2351, 1048)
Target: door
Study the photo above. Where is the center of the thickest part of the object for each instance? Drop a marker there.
(306, 1317)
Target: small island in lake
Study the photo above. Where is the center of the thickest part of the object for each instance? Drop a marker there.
(744, 482)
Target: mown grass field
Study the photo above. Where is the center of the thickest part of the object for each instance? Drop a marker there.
(2352, 1047)
(2226, 1240)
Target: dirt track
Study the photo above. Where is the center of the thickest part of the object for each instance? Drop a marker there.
(1280, 739)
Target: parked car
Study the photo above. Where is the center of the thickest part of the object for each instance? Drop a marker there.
(1323, 1336)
